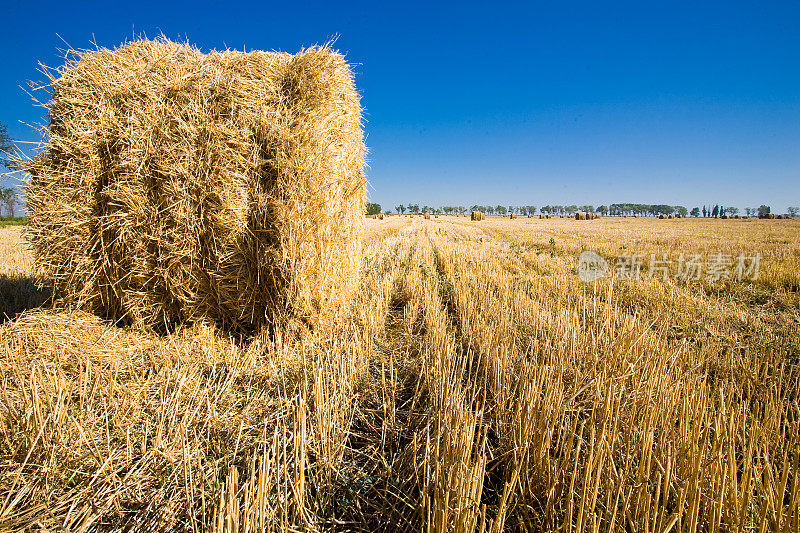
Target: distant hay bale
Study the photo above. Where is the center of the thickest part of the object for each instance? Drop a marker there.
(662, 217)
(477, 215)
(580, 215)
(781, 217)
(745, 217)
(179, 187)
(381, 216)
(512, 215)
(768, 216)
(670, 216)
(724, 217)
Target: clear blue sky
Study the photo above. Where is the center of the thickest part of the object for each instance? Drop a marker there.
(491, 103)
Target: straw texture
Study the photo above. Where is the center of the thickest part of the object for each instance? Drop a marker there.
(178, 186)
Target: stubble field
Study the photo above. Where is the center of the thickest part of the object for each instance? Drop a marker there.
(482, 386)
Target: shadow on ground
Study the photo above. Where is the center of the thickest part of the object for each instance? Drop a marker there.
(18, 294)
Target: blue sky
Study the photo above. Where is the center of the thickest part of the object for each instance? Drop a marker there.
(532, 103)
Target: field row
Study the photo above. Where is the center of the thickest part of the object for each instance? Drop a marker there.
(481, 385)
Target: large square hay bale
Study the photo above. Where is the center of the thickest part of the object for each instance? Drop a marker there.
(178, 186)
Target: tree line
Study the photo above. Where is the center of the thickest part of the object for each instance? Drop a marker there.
(653, 210)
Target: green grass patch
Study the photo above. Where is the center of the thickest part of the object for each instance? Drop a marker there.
(13, 221)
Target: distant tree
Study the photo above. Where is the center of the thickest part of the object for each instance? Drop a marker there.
(501, 210)
(763, 210)
(6, 146)
(511, 209)
(531, 209)
(587, 208)
(750, 211)
(715, 211)
(603, 210)
(571, 209)
(793, 211)
(705, 212)
(413, 208)
(8, 197)
(401, 209)
(681, 210)
(732, 211)
(695, 212)
(373, 209)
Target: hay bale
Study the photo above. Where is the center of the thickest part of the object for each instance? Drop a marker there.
(179, 187)
(427, 217)
(745, 217)
(780, 217)
(580, 215)
(662, 217)
(512, 215)
(477, 215)
(670, 217)
(381, 216)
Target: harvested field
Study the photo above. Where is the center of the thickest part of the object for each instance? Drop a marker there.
(479, 384)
